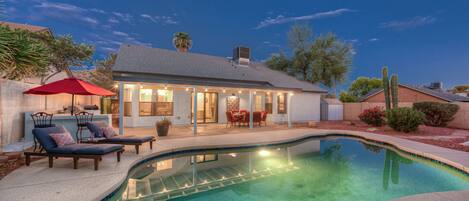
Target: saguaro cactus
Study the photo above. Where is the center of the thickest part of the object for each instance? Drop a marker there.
(386, 88)
(394, 91)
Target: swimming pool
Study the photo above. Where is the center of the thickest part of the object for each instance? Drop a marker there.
(315, 169)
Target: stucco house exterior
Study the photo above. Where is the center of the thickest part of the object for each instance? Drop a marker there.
(191, 88)
(412, 94)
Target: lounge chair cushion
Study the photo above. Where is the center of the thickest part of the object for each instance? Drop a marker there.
(42, 135)
(87, 149)
(132, 139)
(95, 128)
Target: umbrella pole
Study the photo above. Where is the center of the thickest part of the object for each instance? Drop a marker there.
(73, 104)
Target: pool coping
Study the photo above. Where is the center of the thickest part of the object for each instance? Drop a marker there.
(10, 186)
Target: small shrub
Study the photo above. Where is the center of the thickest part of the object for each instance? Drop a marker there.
(405, 119)
(373, 116)
(437, 114)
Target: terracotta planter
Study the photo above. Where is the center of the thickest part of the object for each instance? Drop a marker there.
(162, 130)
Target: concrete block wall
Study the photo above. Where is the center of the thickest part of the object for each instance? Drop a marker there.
(13, 105)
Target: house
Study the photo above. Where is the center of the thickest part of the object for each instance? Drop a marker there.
(27, 27)
(192, 88)
(411, 94)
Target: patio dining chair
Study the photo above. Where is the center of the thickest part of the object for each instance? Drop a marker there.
(257, 118)
(229, 118)
(82, 119)
(264, 117)
(41, 120)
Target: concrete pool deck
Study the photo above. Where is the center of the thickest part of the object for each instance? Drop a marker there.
(38, 182)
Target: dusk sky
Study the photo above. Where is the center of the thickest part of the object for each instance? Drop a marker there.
(421, 41)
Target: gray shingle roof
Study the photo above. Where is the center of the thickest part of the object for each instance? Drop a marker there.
(435, 93)
(146, 60)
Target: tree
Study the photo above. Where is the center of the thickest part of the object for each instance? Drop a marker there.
(346, 97)
(460, 89)
(21, 55)
(299, 39)
(330, 60)
(363, 85)
(102, 75)
(279, 62)
(360, 87)
(182, 41)
(64, 53)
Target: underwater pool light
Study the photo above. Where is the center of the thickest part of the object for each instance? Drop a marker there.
(264, 153)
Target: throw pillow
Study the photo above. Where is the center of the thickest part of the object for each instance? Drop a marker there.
(62, 139)
(108, 132)
(95, 128)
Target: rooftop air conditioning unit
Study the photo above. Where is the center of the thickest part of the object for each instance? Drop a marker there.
(242, 55)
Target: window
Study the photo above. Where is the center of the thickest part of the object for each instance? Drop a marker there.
(282, 103)
(258, 103)
(127, 102)
(156, 102)
(268, 103)
(205, 158)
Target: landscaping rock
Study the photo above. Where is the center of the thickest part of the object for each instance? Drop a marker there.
(372, 129)
(13, 155)
(3, 159)
(465, 143)
(312, 124)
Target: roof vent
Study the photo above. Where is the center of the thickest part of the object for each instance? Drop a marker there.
(241, 55)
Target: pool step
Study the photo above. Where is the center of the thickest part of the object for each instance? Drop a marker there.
(182, 185)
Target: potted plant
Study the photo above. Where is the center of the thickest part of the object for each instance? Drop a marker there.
(162, 127)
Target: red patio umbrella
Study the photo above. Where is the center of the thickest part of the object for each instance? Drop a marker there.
(72, 86)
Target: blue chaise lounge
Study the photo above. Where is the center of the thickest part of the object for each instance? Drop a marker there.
(75, 151)
(99, 137)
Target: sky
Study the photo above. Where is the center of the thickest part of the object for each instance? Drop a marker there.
(420, 41)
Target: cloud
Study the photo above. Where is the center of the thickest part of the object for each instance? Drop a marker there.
(123, 16)
(164, 20)
(63, 12)
(118, 33)
(280, 19)
(373, 40)
(146, 16)
(60, 6)
(113, 20)
(410, 23)
(97, 11)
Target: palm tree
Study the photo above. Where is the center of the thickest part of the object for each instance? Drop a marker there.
(21, 55)
(182, 41)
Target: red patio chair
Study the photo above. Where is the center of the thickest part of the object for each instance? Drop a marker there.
(257, 117)
(229, 118)
(264, 117)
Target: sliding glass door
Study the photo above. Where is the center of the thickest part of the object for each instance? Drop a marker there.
(207, 107)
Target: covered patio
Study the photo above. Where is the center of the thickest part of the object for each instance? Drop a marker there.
(200, 109)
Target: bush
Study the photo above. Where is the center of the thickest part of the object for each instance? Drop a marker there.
(405, 119)
(437, 114)
(373, 116)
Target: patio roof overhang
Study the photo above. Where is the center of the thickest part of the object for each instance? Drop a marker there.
(196, 81)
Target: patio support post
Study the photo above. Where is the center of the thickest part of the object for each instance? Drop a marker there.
(289, 109)
(251, 124)
(195, 111)
(121, 108)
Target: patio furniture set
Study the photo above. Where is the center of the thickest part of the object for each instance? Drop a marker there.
(241, 118)
(54, 141)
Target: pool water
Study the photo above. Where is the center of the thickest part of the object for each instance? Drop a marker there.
(329, 169)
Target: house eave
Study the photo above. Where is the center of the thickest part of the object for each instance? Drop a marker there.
(196, 81)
